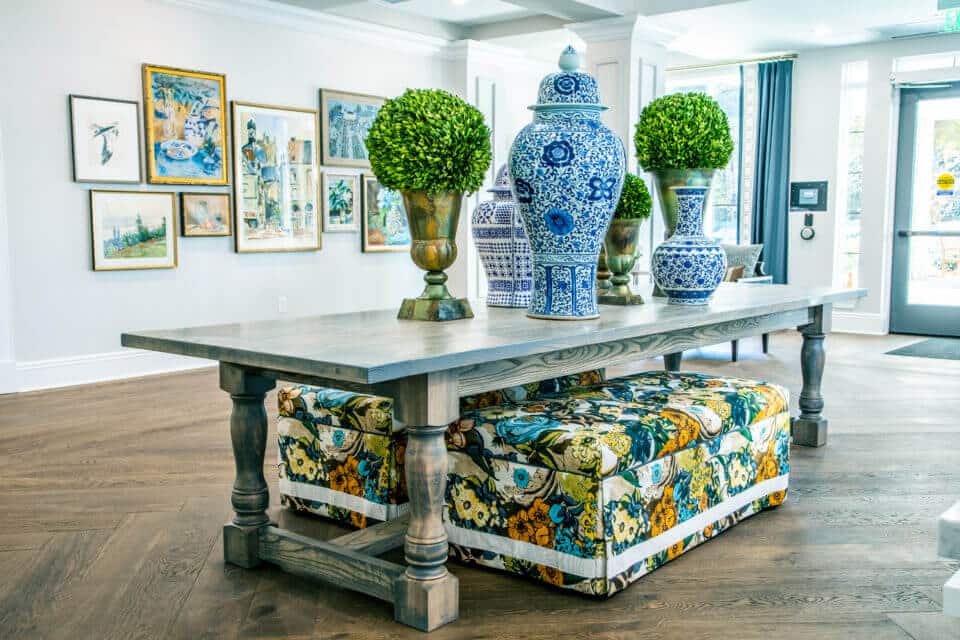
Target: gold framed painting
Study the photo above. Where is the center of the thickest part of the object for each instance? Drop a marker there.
(384, 219)
(133, 230)
(346, 119)
(340, 197)
(205, 214)
(185, 125)
(276, 178)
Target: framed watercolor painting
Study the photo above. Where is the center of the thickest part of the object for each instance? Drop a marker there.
(346, 120)
(133, 230)
(276, 178)
(341, 201)
(384, 219)
(105, 136)
(185, 123)
(205, 214)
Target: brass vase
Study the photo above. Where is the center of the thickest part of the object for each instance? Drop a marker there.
(622, 246)
(665, 180)
(433, 222)
(603, 273)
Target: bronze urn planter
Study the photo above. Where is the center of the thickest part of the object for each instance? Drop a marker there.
(621, 246)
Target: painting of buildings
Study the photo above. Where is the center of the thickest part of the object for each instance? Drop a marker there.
(276, 178)
(347, 118)
(385, 225)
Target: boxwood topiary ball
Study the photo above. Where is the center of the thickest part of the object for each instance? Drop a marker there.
(429, 140)
(683, 131)
(635, 201)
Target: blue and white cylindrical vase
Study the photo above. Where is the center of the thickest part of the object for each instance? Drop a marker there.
(502, 244)
(688, 267)
(567, 170)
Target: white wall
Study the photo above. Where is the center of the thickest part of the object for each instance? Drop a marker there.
(66, 318)
(816, 113)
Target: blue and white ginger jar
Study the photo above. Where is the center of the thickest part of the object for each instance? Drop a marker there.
(566, 170)
(502, 244)
(688, 267)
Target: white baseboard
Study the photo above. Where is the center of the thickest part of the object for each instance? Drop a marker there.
(856, 322)
(97, 367)
(8, 376)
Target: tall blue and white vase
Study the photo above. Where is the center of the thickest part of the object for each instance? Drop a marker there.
(567, 170)
(502, 244)
(688, 267)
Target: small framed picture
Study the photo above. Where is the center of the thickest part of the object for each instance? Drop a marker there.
(341, 201)
(384, 219)
(205, 214)
(133, 230)
(105, 135)
(186, 126)
(345, 120)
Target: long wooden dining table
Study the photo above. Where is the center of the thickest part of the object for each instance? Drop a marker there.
(426, 367)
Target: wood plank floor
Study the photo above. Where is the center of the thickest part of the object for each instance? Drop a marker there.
(114, 495)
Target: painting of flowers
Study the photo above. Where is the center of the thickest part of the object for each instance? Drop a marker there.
(384, 218)
(276, 178)
(133, 230)
(341, 202)
(205, 214)
(106, 139)
(346, 120)
(185, 126)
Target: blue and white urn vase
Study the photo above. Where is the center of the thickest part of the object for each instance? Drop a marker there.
(688, 267)
(567, 170)
(501, 241)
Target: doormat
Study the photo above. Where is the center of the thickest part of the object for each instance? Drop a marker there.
(942, 348)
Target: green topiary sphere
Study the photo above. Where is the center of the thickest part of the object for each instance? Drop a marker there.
(683, 131)
(429, 140)
(635, 199)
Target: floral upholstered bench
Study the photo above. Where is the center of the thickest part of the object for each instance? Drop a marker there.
(581, 483)
(341, 453)
(594, 488)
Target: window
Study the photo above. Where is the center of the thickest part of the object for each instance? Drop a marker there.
(853, 105)
(721, 220)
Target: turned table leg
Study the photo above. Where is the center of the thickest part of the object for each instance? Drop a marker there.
(671, 361)
(427, 595)
(248, 432)
(810, 427)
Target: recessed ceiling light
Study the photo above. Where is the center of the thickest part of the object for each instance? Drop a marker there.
(822, 30)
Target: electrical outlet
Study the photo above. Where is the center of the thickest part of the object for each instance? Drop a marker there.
(282, 304)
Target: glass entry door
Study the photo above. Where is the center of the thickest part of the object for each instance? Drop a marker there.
(925, 295)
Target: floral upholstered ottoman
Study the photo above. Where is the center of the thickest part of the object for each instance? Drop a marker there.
(341, 453)
(593, 488)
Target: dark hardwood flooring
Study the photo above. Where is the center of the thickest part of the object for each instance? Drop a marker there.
(114, 495)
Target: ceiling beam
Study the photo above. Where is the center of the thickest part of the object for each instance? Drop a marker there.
(518, 27)
(574, 10)
(323, 5)
(657, 7)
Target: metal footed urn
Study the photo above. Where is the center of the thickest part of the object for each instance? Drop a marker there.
(503, 247)
(433, 225)
(688, 267)
(567, 170)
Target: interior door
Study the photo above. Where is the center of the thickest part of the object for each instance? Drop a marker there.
(925, 295)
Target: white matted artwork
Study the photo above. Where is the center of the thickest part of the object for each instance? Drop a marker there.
(133, 230)
(341, 201)
(106, 139)
(276, 178)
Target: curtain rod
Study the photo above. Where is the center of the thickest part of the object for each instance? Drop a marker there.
(730, 63)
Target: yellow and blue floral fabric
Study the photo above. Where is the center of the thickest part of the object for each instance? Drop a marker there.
(594, 489)
(341, 453)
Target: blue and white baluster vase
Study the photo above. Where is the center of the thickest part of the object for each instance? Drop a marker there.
(567, 171)
(502, 244)
(688, 267)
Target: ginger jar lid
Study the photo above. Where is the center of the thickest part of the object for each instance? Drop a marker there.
(569, 86)
(502, 183)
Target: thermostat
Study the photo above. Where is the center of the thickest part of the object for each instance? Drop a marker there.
(808, 196)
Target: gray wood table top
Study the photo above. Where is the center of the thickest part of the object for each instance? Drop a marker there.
(374, 346)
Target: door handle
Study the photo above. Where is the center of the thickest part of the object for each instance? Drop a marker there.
(907, 233)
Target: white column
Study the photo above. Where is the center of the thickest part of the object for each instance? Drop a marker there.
(500, 82)
(628, 57)
(7, 360)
